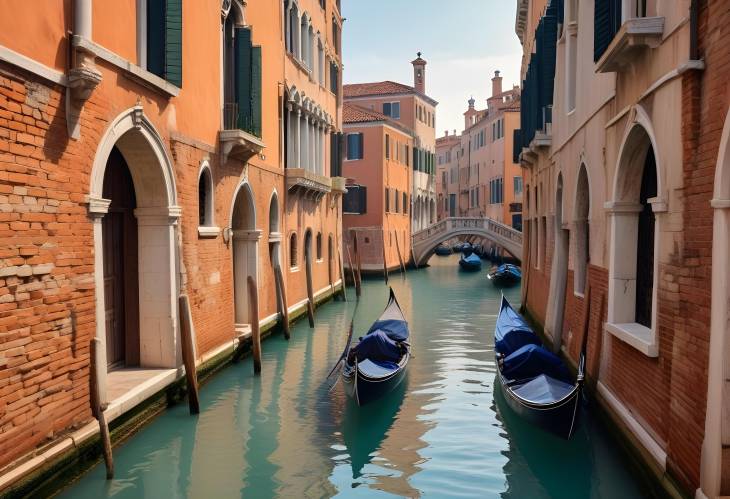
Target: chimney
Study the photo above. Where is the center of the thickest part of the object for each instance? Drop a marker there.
(419, 74)
(496, 84)
(446, 134)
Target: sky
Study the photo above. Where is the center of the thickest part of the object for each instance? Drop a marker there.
(463, 41)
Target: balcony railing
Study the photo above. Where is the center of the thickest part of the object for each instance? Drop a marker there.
(239, 139)
(233, 120)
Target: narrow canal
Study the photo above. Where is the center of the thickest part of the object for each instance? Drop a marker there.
(444, 434)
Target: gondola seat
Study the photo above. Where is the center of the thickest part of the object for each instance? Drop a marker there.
(543, 389)
(530, 361)
(377, 369)
(377, 346)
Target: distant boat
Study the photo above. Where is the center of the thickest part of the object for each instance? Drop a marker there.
(471, 263)
(505, 275)
(535, 382)
(461, 247)
(377, 364)
(442, 250)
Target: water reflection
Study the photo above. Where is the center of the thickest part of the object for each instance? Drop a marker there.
(440, 434)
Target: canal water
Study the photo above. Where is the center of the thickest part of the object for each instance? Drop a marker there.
(445, 433)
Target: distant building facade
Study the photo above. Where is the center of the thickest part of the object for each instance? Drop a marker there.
(145, 153)
(411, 107)
(621, 136)
(476, 173)
(376, 207)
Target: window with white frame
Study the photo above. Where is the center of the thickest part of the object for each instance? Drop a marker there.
(205, 197)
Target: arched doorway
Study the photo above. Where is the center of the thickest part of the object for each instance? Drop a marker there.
(582, 230)
(133, 205)
(245, 246)
(715, 468)
(559, 272)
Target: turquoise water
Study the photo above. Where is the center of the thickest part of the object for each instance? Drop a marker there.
(444, 433)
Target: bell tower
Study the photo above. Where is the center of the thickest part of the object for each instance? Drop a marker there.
(419, 74)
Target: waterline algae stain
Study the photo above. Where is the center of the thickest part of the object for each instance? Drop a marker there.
(444, 432)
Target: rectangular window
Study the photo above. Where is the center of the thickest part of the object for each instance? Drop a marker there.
(387, 146)
(387, 200)
(354, 202)
(392, 109)
(164, 39)
(408, 156)
(386, 108)
(354, 146)
(518, 185)
(397, 202)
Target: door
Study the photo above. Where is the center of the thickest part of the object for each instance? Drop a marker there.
(120, 250)
(452, 205)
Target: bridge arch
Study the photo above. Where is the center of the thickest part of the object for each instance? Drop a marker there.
(425, 241)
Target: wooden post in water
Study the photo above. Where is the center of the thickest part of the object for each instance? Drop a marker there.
(310, 290)
(188, 353)
(353, 272)
(358, 261)
(97, 409)
(400, 257)
(253, 301)
(342, 274)
(385, 263)
(283, 307)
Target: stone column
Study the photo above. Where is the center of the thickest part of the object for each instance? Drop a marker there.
(83, 19)
(297, 139)
(289, 141)
(98, 207)
(305, 144)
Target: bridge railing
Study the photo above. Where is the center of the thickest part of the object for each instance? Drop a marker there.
(460, 223)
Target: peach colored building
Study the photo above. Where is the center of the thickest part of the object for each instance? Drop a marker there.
(479, 177)
(378, 170)
(411, 107)
(150, 149)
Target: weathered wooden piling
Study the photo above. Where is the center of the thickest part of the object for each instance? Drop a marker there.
(400, 256)
(97, 409)
(188, 353)
(283, 307)
(342, 273)
(358, 262)
(253, 304)
(354, 273)
(385, 263)
(310, 287)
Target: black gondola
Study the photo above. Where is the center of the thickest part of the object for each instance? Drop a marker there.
(377, 364)
(470, 262)
(535, 382)
(505, 275)
(442, 250)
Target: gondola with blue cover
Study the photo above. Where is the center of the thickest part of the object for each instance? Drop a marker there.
(377, 364)
(470, 262)
(505, 275)
(442, 250)
(535, 382)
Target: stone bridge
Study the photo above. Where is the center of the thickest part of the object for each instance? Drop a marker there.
(424, 242)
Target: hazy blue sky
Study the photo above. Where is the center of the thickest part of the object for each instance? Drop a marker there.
(463, 41)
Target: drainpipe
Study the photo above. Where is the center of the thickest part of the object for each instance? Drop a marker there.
(82, 18)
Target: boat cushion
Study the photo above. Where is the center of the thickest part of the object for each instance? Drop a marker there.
(376, 369)
(530, 361)
(377, 346)
(396, 330)
(543, 390)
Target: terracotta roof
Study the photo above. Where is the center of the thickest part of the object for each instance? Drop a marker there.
(376, 88)
(352, 113)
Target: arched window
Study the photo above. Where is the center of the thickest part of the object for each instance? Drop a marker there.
(319, 245)
(303, 39)
(405, 203)
(205, 197)
(293, 250)
(274, 214)
(632, 277)
(320, 61)
(582, 231)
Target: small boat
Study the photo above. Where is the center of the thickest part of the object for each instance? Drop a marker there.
(471, 262)
(442, 250)
(377, 364)
(505, 275)
(536, 384)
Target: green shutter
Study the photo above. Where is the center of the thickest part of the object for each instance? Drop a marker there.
(256, 90)
(243, 78)
(156, 37)
(173, 42)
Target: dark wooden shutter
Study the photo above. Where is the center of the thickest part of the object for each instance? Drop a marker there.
(606, 23)
(156, 37)
(173, 42)
(386, 108)
(244, 56)
(256, 90)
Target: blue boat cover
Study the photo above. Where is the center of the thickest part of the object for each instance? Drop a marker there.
(396, 330)
(377, 346)
(512, 331)
(531, 361)
(472, 258)
(508, 268)
(543, 390)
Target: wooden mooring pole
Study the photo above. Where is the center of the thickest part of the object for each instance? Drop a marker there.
(400, 257)
(358, 262)
(253, 304)
(97, 409)
(342, 274)
(385, 263)
(354, 273)
(283, 307)
(188, 353)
